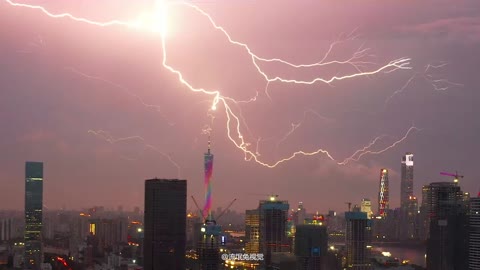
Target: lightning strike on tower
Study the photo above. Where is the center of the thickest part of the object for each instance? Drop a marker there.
(156, 22)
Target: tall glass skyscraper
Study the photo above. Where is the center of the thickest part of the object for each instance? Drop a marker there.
(408, 213)
(406, 183)
(33, 214)
(273, 228)
(165, 224)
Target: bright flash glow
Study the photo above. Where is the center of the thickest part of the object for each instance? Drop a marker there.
(156, 22)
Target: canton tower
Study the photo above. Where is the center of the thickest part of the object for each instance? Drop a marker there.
(208, 162)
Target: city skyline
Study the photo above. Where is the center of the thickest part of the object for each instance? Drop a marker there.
(48, 117)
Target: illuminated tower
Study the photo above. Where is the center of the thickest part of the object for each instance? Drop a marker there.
(211, 237)
(383, 194)
(33, 214)
(208, 162)
(406, 182)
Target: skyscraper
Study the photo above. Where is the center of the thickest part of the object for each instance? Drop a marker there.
(406, 182)
(252, 231)
(165, 224)
(407, 213)
(358, 237)
(33, 214)
(273, 228)
(366, 207)
(474, 235)
(412, 228)
(424, 224)
(383, 194)
(447, 245)
(311, 245)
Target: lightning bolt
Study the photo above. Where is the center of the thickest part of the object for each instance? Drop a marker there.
(437, 84)
(233, 123)
(295, 126)
(124, 89)
(112, 140)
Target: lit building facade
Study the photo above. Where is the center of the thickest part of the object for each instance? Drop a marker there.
(33, 214)
(474, 235)
(273, 228)
(366, 207)
(412, 226)
(383, 194)
(165, 224)
(252, 231)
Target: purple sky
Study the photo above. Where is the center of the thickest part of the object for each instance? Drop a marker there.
(46, 109)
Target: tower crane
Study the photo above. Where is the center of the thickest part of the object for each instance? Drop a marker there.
(456, 176)
(226, 208)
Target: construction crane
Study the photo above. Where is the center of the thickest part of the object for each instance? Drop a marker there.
(225, 210)
(199, 209)
(456, 176)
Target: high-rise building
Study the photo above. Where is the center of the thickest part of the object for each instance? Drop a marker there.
(424, 219)
(406, 181)
(412, 226)
(447, 244)
(311, 246)
(252, 231)
(192, 231)
(474, 234)
(366, 207)
(299, 214)
(383, 194)
(273, 228)
(6, 229)
(208, 250)
(408, 215)
(33, 214)
(165, 224)
(358, 239)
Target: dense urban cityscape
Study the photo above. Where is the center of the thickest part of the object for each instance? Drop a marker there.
(445, 226)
